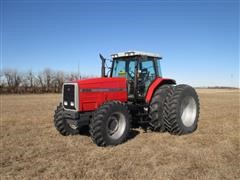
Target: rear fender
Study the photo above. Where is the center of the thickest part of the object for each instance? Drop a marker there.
(155, 84)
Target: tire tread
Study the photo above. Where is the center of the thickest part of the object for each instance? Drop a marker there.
(97, 120)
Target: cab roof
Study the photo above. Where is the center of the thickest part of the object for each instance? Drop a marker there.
(135, 53)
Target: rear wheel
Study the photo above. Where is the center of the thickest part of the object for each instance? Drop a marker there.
(110, 124)
(61, 124)
(181, 110)
(157, 106)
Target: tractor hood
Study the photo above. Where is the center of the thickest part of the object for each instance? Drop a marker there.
(93, 92)
(101, 84)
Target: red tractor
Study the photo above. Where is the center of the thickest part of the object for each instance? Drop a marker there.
(133, 94)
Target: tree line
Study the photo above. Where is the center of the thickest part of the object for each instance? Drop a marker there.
(46, 81)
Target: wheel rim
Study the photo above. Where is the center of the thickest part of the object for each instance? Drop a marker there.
(116, 125)
(188, 111)
(73, 126)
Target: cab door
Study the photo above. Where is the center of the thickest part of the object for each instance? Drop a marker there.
(146, 75)
(126, 67)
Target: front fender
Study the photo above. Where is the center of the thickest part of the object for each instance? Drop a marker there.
(155, 84)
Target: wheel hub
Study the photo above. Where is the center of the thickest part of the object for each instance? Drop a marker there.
(116, 125)
(188, 111)
(113, 125)
(72, 124)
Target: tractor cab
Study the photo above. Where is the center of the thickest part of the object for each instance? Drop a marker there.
(140, 69)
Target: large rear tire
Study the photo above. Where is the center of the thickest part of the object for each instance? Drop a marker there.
(61, 124)
(181, 110)
(110, 124)
(157, 107)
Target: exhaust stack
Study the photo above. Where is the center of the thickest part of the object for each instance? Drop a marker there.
(103, 65)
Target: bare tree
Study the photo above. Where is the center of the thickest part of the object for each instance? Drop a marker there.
(2, 81)
(9, 77)
(30, 78)
(47, 78)
(14, 80)
(73, 76)
(17, 81)
(59, 78)
(40, 82)
(24, 84)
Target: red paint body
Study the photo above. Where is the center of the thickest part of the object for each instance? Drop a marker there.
(157, 82)
(91, 100)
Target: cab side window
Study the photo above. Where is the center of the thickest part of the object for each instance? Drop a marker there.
(119, 69)
(146, 75)
(148, 68)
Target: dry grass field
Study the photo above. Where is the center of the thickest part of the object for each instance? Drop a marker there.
(32, 148)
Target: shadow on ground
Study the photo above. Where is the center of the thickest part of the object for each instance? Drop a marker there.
(84, 131)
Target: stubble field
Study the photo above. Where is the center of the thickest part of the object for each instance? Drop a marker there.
(32, 148)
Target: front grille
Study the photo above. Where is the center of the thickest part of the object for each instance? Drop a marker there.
(69, 96)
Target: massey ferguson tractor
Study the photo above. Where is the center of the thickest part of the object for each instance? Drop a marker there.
(133, 93)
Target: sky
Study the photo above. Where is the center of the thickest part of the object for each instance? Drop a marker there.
(198, 40)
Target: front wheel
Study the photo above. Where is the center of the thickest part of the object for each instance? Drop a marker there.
(110, 124)
(61, 123)
(181, 110)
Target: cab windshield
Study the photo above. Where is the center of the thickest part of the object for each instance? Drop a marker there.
(124, 68)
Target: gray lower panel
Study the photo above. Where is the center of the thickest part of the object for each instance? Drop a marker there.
(77, 118)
